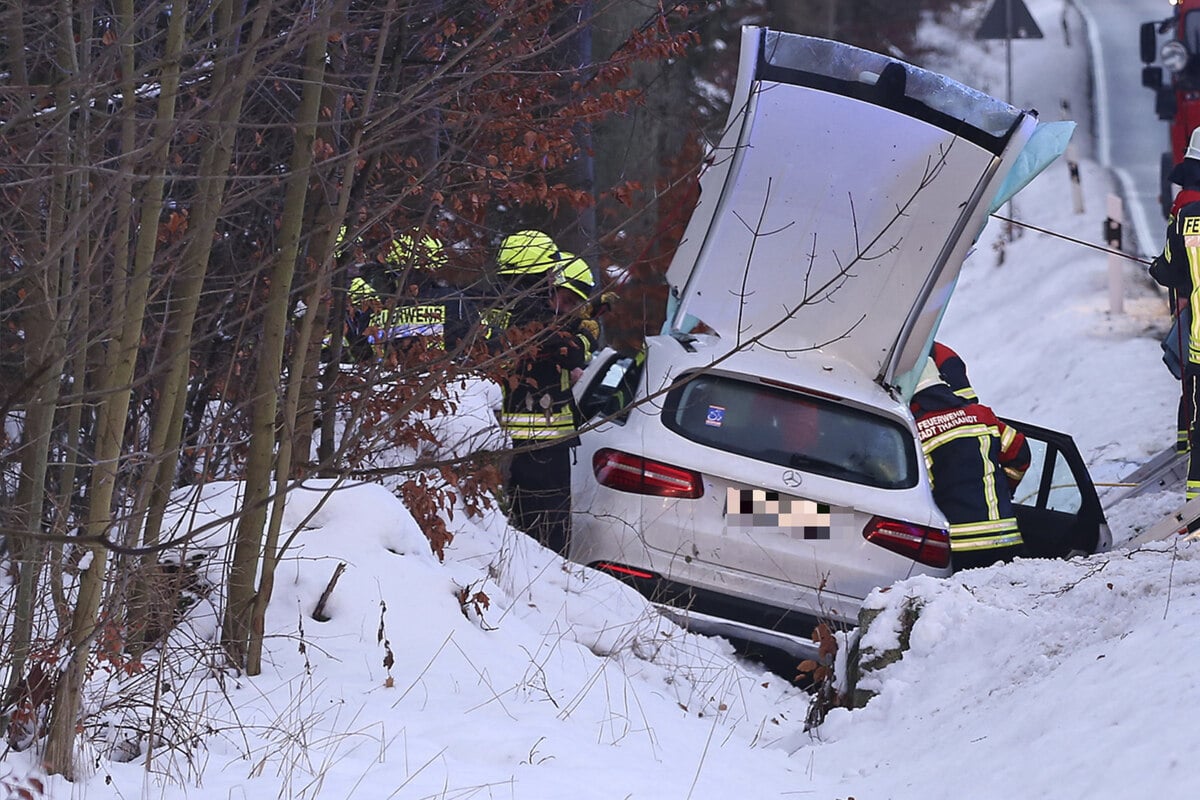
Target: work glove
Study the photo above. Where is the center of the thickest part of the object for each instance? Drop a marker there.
(603, 303)
(591, 328)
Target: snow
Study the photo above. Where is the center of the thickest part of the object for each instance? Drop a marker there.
(504, 672)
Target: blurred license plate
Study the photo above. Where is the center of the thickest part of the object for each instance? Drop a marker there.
(760, 508)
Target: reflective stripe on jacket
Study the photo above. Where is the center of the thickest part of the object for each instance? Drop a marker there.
(407, 322)
(541, 426)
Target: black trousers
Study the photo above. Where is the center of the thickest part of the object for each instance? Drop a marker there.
(1191, 377)
(540, 495)
(973, 559)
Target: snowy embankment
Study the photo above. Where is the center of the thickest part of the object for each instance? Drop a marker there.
(506, 673)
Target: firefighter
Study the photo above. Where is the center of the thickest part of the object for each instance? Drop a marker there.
(423, 307)
(975, 461)
(953, 371)
(1186, 175)
(1177, 268)
(539, 411)
(363, 304)
(571, 299)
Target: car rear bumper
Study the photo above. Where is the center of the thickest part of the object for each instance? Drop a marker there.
(712, 613)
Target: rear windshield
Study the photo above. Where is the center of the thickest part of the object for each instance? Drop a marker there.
(795, 430)
(848, 66)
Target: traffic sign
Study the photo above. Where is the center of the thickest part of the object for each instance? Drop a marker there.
(1008, 19)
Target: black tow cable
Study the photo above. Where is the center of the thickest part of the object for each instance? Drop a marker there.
(1073, 240)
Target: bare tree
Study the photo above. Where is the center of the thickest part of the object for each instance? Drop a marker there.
(188, 192)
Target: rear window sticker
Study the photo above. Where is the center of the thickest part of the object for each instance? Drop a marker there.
(715, 416)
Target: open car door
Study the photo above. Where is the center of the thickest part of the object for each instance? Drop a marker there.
(1056, 504)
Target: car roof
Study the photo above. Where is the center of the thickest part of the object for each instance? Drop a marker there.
(840, 204)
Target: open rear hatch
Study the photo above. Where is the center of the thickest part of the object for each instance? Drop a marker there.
(840, 204)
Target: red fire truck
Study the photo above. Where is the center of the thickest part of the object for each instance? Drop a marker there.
(1175, 81)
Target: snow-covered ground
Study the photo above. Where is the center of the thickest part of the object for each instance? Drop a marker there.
(505, 673)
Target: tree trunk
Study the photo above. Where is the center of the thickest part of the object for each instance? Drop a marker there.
(230, 77)
(39, 371)
(633, 146)
(236, 633)
(114, 409)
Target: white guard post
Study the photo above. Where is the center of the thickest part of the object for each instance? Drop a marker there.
(1112, 236)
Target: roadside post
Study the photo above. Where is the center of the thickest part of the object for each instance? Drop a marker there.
(1073, 164)
(1113, 238)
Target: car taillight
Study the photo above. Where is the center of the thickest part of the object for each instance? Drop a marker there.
(622, 571)
(928, 546)
(630, 473)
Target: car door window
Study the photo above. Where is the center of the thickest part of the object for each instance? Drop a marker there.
(614, 387)
(1062, 492)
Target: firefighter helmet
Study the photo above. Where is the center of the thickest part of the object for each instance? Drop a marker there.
(415, 251)
(527, 252)
(575, 275)
(1193, 148)
(361, 291)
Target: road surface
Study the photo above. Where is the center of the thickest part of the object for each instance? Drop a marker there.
(1129, 138)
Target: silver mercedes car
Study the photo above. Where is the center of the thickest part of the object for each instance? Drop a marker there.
(755, 470)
